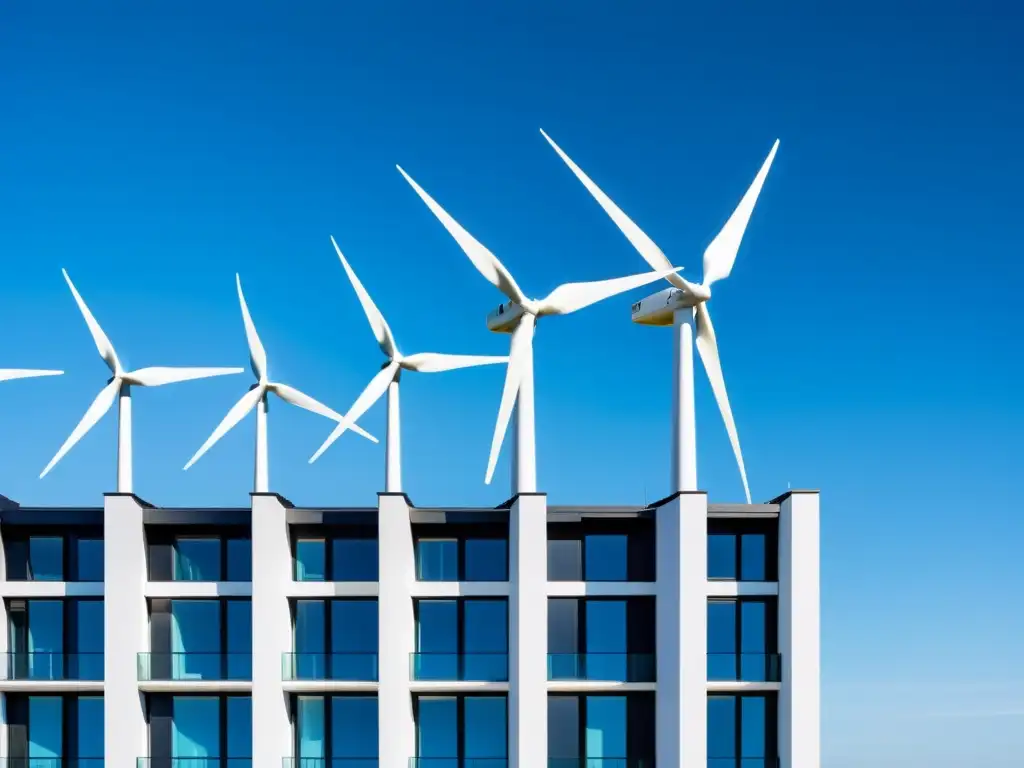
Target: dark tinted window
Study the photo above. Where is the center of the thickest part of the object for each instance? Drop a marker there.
(197, 559)
(606, 557)
(437, 559)
(753, 557)
(722, 556)
(354, 560)
(46, 558)
(310, 560)
(486, 560)
(239, 560)
(565, 560)
(563, 727)
(89, 553)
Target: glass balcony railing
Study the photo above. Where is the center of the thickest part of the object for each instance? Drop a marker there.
(353, 667)
(53, 665)
(601, 762)
(476, 667)
(194, 762)
(744, 762)
(617, 667)
(330, 762)
(458, 762)
(187, 665)
(51, 762)
(745, 667)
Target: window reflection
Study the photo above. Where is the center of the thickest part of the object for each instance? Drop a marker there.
(45, 728)
(46, 558)
(605, 557)
(197, 559)
(89, 553)
(354, 560)
(740, 729)
(486, 560)
(239, 560)
(437, 559)
(310, 560)
(354, 729)
(90, 728)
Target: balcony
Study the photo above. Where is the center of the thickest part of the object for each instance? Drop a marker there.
(330, 762)
(617, 667)
(462, 667)
(51, 762)
(53, 665)
(192, 762)
(745, 668)
(348, 667)
(744, 762)
(458, 762)
(600, 762)
(189, 666)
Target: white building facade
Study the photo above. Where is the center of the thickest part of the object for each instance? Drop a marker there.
(681, 634)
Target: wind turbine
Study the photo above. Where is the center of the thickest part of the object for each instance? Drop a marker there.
(519, 317)
(119, 388)
(387, 380)
(257, 396)
(684, 307)
(10, 374)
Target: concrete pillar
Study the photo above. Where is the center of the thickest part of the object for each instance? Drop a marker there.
(5, 503)
(800, 630)
(681, 620)
(271, 630)
(528, 631)
(126, 629)
(397, 631)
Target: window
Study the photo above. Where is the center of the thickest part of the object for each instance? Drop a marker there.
(239, 722)
(741, 731)
(342, 558)
(239, 560)
(87, 661)
(351, 738)
(90, 728)
(46, 639)
(203, 558)
(741, 640)
(461, 557)
(45, 727)
(197, 559)
(565, 560)
(239, 640)
(461, 731)
(742, 550)
(601, 729)
(206, 640)
(601, 639)
(195, 727)
(89, 554)
(46, 558)
(605, 557)
(195, 640)
(461, 640)
(335, 640)
(601, 550)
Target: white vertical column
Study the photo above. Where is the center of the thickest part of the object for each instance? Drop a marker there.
(125, 628)
(684, 420)
(397, 632)
(528, 632)
(271, 630)
(799, 631)
(681, 620)
(4, 636)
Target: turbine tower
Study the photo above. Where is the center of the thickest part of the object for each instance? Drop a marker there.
(519, 317)
(119, 388)
(684, 307)
(257, 396)
(387, 380)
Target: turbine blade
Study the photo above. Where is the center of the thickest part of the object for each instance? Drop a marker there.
(520, 353)
(721, 254)
(647, 248)
(378, 324)
(103, 345)
(435, 362)
(707, 346)
(257, 354)
(378, 386)
(156, 377)
(10, 374)
(94, 413)
(238, 412)
(571, 297)
(487, 263)
(302, 400)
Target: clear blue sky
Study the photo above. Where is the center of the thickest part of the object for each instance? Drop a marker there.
(870, 332)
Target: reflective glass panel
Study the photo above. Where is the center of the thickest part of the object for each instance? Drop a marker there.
(89, 553)
(239, 735)
(486, 560)
(197, 559)
(354, 559)
(310, 560)
(90, 728)
(606, 727)
(45, 727)
(195, 727)
(437, 559)
(437, 730)
(239, 560)
(310, 718)
(46, 558)
(722, 556)
(354, 729)
(606, 557)
(485, 729)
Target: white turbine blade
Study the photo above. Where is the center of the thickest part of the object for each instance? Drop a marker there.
(103, 345)
(571, 297)
(378, 324)
(487, 263)
(435, 362)
(721, 254)
(707, 346)
(158, 376)
(95, 412)
(520, 353)
(378, 386)
(647, 248)
(238, 412)
(302, 400)
(257, 354)
(10, 374)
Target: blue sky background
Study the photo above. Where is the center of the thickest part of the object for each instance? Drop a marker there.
(870, 332)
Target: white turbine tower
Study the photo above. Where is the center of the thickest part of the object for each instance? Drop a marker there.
(684, 307)
(519, 317)
(388, 377)
(119, 388)
(257, 396)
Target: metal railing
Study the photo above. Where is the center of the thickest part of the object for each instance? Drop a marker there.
(53, 665)
(745, 667)
(354, 667)
(187, 665)
(476, 667)
(618, 667)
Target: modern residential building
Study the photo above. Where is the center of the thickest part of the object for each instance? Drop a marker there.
(681, 634)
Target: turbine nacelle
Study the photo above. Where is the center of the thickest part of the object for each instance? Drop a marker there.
(505, 318)
(660, 308)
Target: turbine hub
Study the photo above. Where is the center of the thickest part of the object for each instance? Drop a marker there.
(505, 318)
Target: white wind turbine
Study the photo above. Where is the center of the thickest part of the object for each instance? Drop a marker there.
(387, 380)
(119, 388)
(519, 317)
(257, 396)
(684, 307)
(10, 374)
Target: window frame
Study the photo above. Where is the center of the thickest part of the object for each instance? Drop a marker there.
(641, 549)
(462, 535)
(738, 528)
(460, 724)
(326, 537)
(771, 727)
(328, 708)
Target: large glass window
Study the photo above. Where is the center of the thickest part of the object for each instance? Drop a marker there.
(602, 730)
(741, 555)
(606, 639)
(341, 558)
(606, 726)
(601, 639)
(197, 559)
(195, 640)
(46, 558)
(239, 722)
(741, 731)
(601, 551)
(335, 640)
(354, 736)
(87, 662)
(485, 731)
(195, 727)
(437, 559)
(310, 731)
(486, 560)
(605, 557)
(461, 558)
(564, 730)
(89, 553)
(239, 640)
(90, 728)
(239, 553)
(45, 728)
(310, 560)
(461, 732)
(461, 640)
(740, 634)
(46, 639)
